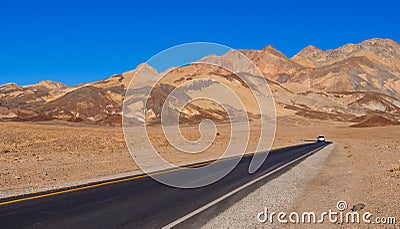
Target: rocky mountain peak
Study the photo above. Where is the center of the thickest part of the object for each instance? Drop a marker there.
(269, 49)
(385, 51)
(309, 50)
(51, 84)
(9, 85)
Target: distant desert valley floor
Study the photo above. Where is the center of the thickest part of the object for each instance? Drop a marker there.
(48, 154)
(53, 134)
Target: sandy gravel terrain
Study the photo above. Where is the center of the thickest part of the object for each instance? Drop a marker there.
(363, 168)
(35, 155)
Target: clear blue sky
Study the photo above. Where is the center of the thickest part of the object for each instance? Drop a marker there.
(83, 41)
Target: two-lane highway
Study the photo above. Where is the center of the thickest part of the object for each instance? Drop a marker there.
(138, 202)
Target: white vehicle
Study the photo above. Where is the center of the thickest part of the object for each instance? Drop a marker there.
(321, 138)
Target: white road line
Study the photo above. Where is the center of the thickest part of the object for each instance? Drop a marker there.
(214, 202)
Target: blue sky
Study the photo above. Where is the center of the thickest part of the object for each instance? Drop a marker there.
(84, 41)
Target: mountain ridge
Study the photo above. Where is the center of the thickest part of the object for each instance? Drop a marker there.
(354, 80)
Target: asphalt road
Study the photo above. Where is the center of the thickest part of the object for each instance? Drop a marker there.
(138, 203)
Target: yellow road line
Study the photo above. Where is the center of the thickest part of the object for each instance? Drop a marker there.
(88, 186)
(127, 179)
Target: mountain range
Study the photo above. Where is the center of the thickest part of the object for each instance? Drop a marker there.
(357, 83)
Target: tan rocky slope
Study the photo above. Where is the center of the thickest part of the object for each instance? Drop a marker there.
(355, 82)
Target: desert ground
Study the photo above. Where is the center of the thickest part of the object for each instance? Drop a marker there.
(364, 166)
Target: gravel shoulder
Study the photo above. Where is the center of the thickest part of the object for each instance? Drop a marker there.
(363, 168)
(279, 194)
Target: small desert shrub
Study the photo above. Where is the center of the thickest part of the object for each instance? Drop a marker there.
(7, 149)
(395, 168)
(350, 154)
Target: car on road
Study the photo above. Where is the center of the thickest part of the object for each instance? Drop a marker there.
(321, 138)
